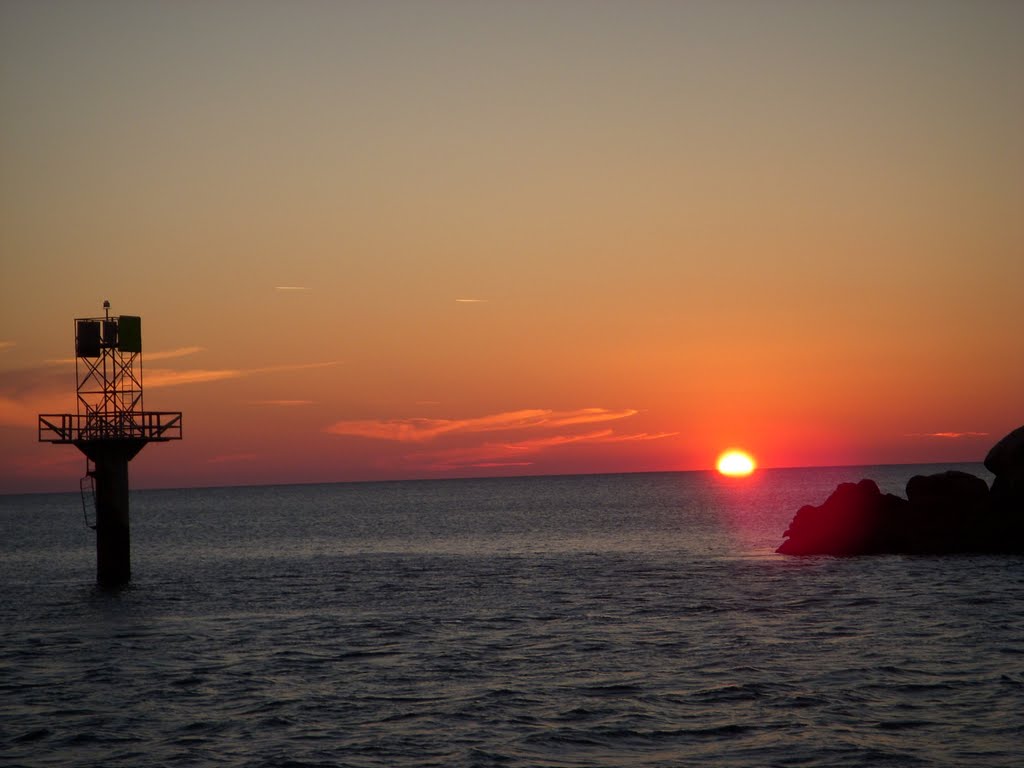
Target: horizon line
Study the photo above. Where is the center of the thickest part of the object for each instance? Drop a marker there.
(538, 475)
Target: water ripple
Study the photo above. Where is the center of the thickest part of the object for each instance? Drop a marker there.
(656, 645)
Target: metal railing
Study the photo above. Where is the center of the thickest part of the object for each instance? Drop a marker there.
(123, 425)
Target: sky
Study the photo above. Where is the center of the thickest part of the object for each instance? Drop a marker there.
(390, 240)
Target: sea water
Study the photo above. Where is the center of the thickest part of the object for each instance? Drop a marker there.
(616, 620)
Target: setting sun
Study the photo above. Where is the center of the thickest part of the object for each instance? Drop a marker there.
(736, 463)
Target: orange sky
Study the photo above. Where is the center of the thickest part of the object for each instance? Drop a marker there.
(402, 239)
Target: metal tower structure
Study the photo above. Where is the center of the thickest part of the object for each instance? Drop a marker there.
(110, 427)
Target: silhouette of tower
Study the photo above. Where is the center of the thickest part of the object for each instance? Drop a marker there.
(110, 428)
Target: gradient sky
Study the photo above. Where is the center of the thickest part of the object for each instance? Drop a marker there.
(435, 239)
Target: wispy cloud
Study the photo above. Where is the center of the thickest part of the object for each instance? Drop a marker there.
(420, 430)
(165, 354)
(156, 378)
(540, 430)
(171, 353)
(494, 453)
(168, 377)
(600, 436)
(640, 437)
(27, 392)
(471, 301)
(588, 416)
(949, 435)
(514, 453)
(5, 345)
(291, 288)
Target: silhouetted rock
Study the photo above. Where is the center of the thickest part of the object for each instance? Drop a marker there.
(947, 512)
(944, 513)
(1007, 455)
(850, 522)
(1006, 462)
(945, 488)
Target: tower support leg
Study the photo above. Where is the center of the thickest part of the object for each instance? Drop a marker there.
(113, 534)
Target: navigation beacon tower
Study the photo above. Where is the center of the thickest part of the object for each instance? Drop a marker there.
(110, 428)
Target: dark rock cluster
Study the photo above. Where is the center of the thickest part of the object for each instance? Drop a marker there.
(945, 513)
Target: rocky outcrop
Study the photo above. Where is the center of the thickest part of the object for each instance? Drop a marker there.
(947, 512)
(944, 513)
(1006, 462)
(850, 522)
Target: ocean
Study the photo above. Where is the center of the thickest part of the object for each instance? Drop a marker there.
(609, 620)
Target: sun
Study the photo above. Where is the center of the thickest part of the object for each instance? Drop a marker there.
(736, 463)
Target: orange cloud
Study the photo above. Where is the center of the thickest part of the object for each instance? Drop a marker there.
(167, 354)
(950, 435)
(589, 416)
(601, 436)
(540, 443)
(641, 436)
(493, 454)
(423, 430)
(5, 345)
(27, 392)
(147, 356)
(167, 377)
